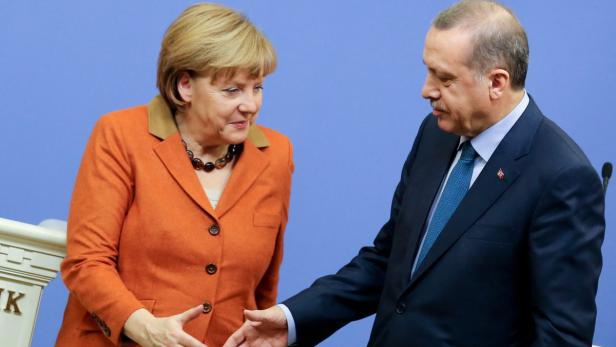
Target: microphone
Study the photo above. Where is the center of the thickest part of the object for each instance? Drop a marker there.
(606, 173)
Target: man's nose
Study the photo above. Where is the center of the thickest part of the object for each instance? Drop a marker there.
(429, 90)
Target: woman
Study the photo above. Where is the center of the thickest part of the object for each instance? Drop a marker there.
(179, 207)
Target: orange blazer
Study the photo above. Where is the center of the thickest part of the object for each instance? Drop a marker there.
(142, 233)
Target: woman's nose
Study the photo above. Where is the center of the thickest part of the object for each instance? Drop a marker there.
(249, 103)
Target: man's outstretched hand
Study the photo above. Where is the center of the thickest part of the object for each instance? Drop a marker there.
(262, 328)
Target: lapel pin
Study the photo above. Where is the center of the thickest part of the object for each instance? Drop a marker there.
(500, 174)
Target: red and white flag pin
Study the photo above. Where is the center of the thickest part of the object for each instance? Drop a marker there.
(500, 174)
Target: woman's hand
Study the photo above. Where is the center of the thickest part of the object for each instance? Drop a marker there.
(149, 331)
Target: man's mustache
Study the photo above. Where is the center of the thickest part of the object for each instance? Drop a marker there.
(439, 106)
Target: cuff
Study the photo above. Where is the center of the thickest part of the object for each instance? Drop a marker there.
(290, 324)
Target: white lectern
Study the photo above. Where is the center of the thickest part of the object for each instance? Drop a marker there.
(30, 257)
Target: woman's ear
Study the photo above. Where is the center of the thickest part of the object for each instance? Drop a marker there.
(185, 87)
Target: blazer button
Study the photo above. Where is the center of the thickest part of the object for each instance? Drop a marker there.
(211, 268)
(207, 307)
(214, 229)
(400, 308)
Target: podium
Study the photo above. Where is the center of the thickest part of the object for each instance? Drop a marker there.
(30, 257)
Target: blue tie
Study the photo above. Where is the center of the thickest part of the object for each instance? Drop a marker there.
(455, 189)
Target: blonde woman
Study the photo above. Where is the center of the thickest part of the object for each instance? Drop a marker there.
(179, 207)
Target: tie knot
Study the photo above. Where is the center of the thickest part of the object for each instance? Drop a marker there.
(468, 152)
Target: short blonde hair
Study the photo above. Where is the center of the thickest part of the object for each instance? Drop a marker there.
(212, 40)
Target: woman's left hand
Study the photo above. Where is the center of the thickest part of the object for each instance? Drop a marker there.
(149, 331)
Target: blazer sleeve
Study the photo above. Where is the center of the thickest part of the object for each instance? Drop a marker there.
(101, 197)
(354, 291)
(266, 292)
(565, 240)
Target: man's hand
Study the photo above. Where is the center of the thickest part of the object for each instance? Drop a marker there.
(149, 331)
(263, 328)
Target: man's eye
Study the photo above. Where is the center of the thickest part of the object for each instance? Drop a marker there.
(446, 81)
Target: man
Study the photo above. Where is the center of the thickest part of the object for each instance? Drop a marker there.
(496, 225)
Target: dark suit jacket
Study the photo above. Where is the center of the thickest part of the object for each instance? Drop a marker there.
(516, 265)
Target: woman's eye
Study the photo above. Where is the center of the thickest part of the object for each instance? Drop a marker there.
(231, 90)
(259, 88)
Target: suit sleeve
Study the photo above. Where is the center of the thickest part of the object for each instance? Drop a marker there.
(565, 258)
(103, 191)
(266, 292)
(354, 291)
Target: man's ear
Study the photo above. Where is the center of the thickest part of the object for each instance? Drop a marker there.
(500, 81)
(185, 87)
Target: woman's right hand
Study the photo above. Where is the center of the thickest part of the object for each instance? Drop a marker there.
(149, 331)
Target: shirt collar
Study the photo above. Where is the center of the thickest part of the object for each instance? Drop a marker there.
(161, 124)
(486, 142)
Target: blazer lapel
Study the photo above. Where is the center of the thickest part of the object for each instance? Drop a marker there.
(488, 187)
(171, 152)
(248, 168)
(173, 155)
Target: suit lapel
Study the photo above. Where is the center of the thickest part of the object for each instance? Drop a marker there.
(484, 192)
(248, 168)
(488, 187)
(431, 174)
(172, 153)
